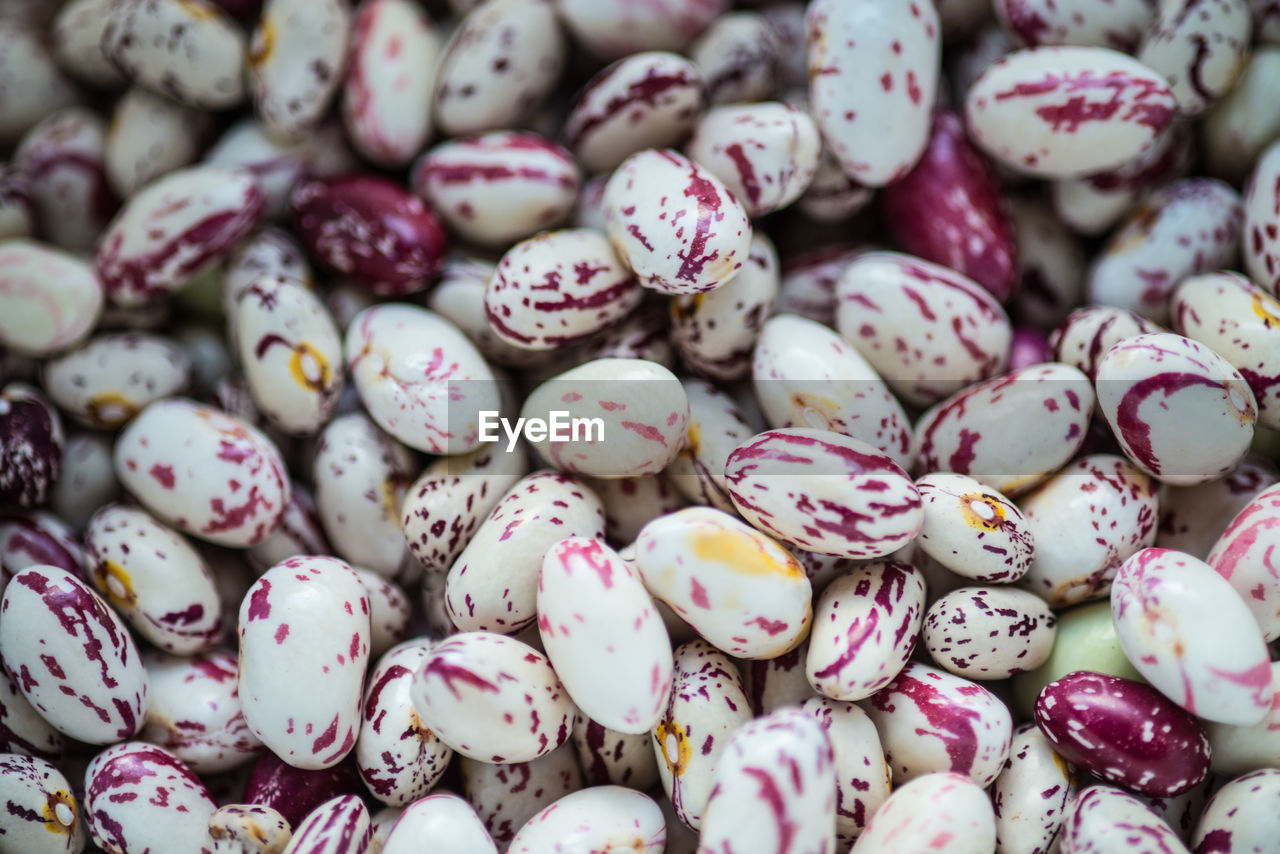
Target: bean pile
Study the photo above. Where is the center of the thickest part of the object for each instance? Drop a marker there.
(582, 426)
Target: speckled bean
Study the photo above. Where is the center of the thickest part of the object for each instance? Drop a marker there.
(596, 819)
(113, 377)
(25, 732)
(741, 55)
(63, 158)
(1059, 112)
(1103, 820)
(1241, 816)
(1100, 23)
(295, 792)
(41, 816)
(304, 647)
(149, 136)
(1051, 264)
(1192, 518)
(31, 446)
(52, 298)
(866, 60)
(1261, 244)
(1191, 635)
(1236, 130)
(716, 427)
(989, 632)
(505, 796)
(955, 507)
(1245, 556)
(928, 330)
(862, 775)
(339, 826)
(447, 820)
(296, 62)
(194, 711)
(1085, 336)
(1200, 49)
(609, 757)
(248, 829)
(139, 797)
(614, 28)
(943, 813)
(1031, 794)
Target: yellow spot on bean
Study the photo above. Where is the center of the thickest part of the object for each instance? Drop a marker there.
(693, 440)
(59, 814)
(115, 584)
(811, 410)
(672, 737)
(110, 409)
(264, 39)
(982, 512)
(1063, 768)
(1267, 308)
(199, 10)
(309, 368)
(747, 553)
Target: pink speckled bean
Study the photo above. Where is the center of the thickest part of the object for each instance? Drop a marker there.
(173, 230)
(1240, 817)
(1086, 520)
(35, 538)
(296, 62)
(943, 813)
(805, 375)
(1086, 335)
(1261, 244)
(675, 224)
(143, 798)
(194, 711)
(613, 28)
(707, 704)
(189, 51)
(642, 335)
(386, 97)
(339, 826)
(304, 647)
(1241, 749)
(492, 586)
(1192, 518)
(1104, 820)
(400, 759)
(647, 100)
(741, 56)
(1180, 411)
(738, 589)
(596, 819)
(25, 732)
(1201, 48)
(419, 378)
(1098, 23)
(772, 683)
(862, 775)
(809, 283)
(766, 154)
(631, 502)
(389, 611)
(459, 299)
(609, 757)
(1188, 632)
(492, 698)
(52, 298)
(955, 507)
(204, 472)
(865, 626)
(774, 787)
(500, 63)
(155, 580)
(507, 795)
(1059, 112)
(557, 289)
(929, 720)
(1246, 556)
(71, 656)
(248, 829)
(41, 816)
(832, 196)
(1031, 794)
(928, 330)
(63, 158)
(498, 187)
(989, 632)
(301, 532)
(1189, 227)
(1012, 432)
(824, 492)
(113, 377)
(866, 60)
(295, 792)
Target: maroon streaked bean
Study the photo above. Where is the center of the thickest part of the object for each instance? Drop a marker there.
(386, 98)
(52, 298)
(498, 187)
(339, 826)
(808, 287)
(25, 732)
(642, 335)
(1124, 732)
(38, 538)
(1105, 820)
(1059, 112)
(613, 28)
(832, 196)
(31, 445)
(275, 166)
(716, 427)
(949, 209)
(1245, 556)
(499, 64)
(41, 816)
(1100, 23)
(194, 711)
(1240, 817)
(1241, 749)
(740, 55)
(113, 377)
(766, 153)
(63, 157)
(609, 757)
(1201, 49)
(631, 502)
(862, 775)
(389, 611)
(927, 329)
(1051, 265)
(955, 506)
(505, 796)
(1261, 243)
(989, 632)
(595, 819)
(296, 61)
(866, 60)
(772, 683)
(1085, 336)
(295, 792)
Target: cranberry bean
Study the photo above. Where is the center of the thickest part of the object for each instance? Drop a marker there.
(1261, 244)
(1245, 121)
(1243, 555)
(41, 816)
(989, 632)
(386, 99)
(968, 227)
(862, 775)
(736, 587)
(1088, 333)
(954, 507)
(110, 379)
(647, 100)
(643, 335)
(946, 813)
(296, 62)
(805, 375)
(32, 85)
(1031, 794)
(75, 38)
(295, 792)
(1124, 732)
(419, 378)
(609, 757)
(23, 730)
(986, 431)
(37, 538)
(155, 580)
(615, 28)
(502, 60)
(339, 826)
(63, 157)
(246, 829)
(389, 611)
(498, 187)
(1103, 820)
(851, 656)
(17, 213)
(52, 298)
(206, 473)
(1059, 112)
(823, 492)
(864, 61)
(31, 443)
(189, 51)
(1240, 816)
(646, 221)
(140, 797)
(706, 705)
(1241, 749)
(194, 711)
(1092, 22)
(449, 694)
(492, 586)
(1200, 50)
(304, 646)
(595, 819)
(149, 136)
(447, 820)
(1190, 634)
(928, 330)
(507, 795)
(1206, 410)
(766, 154)
(716, 427)
(741, 55)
